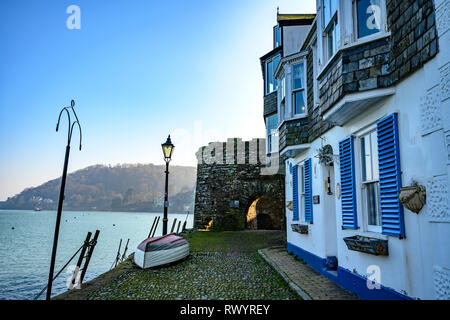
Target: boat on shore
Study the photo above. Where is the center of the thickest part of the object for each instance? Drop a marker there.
(157, 251)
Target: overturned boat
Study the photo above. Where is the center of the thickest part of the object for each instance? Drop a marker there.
(161, 250)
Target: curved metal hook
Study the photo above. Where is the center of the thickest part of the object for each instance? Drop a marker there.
(79, 127)
(59, 119)
(71, 125)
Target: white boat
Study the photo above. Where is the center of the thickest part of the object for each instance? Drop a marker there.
(161, 250)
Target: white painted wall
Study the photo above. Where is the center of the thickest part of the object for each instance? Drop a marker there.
(418, 266)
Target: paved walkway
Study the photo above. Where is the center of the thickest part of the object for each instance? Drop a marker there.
(308, 283)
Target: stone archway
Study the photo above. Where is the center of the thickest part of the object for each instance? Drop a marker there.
(264, 213)
(225, 191)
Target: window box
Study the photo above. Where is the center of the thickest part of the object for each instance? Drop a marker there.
(369, 245)
(300, 228)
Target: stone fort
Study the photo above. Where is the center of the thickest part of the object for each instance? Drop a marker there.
(236, 189)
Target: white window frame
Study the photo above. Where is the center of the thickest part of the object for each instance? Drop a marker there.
(301, 193)
(333, 24)
(362, 184)
(376, 35)
(294, 91)
(315, 52)
(266, 83)
(295, 115)
(271, 135)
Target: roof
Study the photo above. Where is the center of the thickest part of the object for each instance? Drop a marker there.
(298, 16)
(295, 19)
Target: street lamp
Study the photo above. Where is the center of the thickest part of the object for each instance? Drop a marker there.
(167, 148)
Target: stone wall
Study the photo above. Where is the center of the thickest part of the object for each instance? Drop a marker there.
(225, 191)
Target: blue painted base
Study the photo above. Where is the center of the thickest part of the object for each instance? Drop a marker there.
(345, 278)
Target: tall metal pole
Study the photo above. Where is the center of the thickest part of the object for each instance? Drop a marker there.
(58, 221)
(61, 192)
(166, 200)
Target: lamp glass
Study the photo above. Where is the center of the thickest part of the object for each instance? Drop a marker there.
(167, 148)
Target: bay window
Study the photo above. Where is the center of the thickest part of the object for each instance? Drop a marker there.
(298, 89)
(370, 181)
(271, 82)
(271, 127)
(276, 36)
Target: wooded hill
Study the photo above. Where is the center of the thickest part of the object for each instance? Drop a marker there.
(125, 187)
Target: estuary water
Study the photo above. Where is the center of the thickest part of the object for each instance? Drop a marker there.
(26, 240)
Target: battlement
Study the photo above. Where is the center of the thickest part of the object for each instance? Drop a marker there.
(234, 151)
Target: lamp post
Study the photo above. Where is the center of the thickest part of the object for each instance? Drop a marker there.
(167, 148)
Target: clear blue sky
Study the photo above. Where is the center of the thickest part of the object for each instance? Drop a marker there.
(138, 70)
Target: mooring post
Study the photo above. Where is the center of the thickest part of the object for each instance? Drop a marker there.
(156, 226)
(185, 221)
(173, 225)
(80, 260)
(92, 245)
(151, 229)
(125, 251)
(118, 254)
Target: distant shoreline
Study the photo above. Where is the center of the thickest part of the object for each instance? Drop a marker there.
(90, 210)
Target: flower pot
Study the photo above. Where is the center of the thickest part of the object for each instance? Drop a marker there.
(413, 198)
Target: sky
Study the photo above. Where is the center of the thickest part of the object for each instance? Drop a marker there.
(138, 70)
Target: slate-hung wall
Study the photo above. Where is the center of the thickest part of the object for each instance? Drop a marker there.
(383, 63)
(413, 35)
(270, 104)
(293, 132)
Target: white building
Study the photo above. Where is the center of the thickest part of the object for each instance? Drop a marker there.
(362, 113)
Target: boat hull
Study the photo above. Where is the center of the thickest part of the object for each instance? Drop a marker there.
(159, 251)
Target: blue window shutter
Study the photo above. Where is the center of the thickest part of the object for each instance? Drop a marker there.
(392, 222)
(295, 192)
(348, 191)
(308, 191)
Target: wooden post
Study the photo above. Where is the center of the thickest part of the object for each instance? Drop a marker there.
(185, 222)
(125, 251)
(157, 222)
(118, 254)
(89, 255)
(150, 233)
(173, 225)
(80, 260)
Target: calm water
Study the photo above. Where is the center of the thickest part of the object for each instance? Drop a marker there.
(25, 250)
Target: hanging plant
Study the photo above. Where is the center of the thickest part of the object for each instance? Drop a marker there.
(326, 156)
